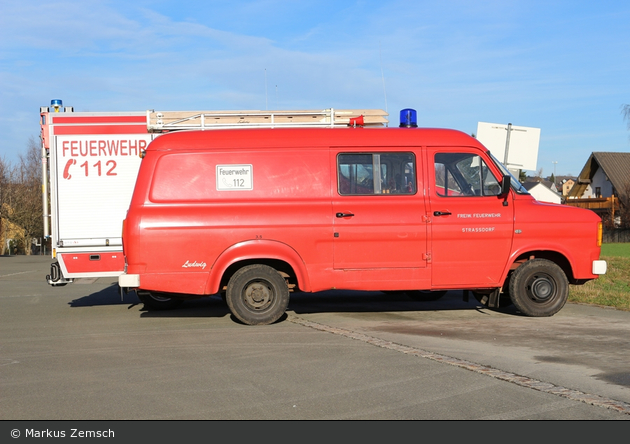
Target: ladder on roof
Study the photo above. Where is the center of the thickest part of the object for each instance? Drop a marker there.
(164, 121)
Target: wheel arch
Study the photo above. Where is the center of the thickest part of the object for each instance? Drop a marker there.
(275, 254)
(539, 287)
(554, 256)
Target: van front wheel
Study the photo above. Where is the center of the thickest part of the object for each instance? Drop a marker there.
(539, 288)
(257, 295)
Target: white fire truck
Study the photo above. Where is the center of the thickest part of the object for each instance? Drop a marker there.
(90, 161)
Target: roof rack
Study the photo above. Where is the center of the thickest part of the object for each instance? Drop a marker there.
(164, 121)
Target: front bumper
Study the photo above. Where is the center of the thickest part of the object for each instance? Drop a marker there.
(599, 267)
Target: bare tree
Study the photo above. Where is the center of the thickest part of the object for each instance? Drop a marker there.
(24, 202)
(624, 208)
(4, 196)
(624, 194)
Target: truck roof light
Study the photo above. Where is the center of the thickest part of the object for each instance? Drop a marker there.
(408, 118)
(56, 104)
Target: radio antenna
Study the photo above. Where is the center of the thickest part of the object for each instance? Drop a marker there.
(382, 75)
(266, 99)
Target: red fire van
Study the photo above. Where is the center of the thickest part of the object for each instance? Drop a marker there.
(256, 214)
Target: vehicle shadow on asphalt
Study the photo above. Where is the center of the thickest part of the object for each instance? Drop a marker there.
(332, 301)
(211, 306)
(207, 307)
(366, 302)
(106, 296)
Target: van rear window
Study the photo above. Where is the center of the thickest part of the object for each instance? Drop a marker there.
(376, 173)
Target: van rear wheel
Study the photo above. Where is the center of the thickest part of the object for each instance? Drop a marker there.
(158, 301)
(539, 288)
(257, 295)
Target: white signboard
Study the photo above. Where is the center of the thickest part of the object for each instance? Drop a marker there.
(95, 177)
(234, 177)
(519, 152)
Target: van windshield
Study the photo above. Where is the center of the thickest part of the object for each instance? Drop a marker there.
(516, 184)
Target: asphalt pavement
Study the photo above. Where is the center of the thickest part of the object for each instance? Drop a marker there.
(84, 352)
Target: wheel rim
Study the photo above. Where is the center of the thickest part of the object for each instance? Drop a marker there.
(258, 295)
(159, 298)
(541, 288)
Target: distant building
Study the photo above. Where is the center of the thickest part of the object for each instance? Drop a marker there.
(543, 191)
(604, 186)
(9, 233)
(564, 184)
(604, 175)
(567, 185)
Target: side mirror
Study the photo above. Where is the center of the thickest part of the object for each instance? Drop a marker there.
(505, 188)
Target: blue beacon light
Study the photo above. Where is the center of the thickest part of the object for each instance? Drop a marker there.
(408, 118)
(56, 104)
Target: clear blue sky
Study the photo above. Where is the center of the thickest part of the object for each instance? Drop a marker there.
(561, 66)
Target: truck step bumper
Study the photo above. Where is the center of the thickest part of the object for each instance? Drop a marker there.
(56, 278)
(129, 280)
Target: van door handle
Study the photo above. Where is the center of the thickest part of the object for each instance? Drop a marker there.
(344, 214)
(441, 213)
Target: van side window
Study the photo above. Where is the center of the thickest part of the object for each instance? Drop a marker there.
(464, 174)
(376, 173)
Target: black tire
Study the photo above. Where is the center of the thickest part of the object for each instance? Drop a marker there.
(158, 301)
(539, 288)
(426, 295)
(257, 295)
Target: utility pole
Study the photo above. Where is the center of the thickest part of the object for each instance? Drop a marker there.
(507, 143)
